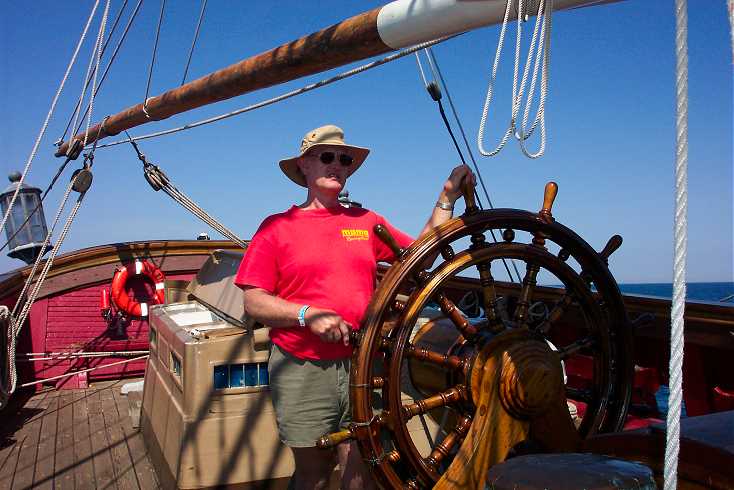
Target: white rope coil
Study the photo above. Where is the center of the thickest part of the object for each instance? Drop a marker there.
(521, 132)
(680, 235)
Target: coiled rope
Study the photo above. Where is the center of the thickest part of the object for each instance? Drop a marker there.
(680, 235)
(543, 18)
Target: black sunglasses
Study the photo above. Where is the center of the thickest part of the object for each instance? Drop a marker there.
(327, 157)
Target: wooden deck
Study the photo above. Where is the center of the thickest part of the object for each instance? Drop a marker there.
(73, 439)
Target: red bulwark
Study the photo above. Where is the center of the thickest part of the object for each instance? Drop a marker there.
(71, 322)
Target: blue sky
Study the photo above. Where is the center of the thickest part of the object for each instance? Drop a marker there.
(610, 116)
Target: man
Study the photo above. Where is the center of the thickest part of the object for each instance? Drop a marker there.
(309, 274)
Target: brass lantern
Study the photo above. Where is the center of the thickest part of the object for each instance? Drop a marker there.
(25, 228)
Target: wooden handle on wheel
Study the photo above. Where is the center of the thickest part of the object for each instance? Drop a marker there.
(468, 191)
(612, 245)
(328, 441)
(551, 191)
(384, 235)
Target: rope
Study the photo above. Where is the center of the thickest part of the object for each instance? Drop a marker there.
(83, 371)
(89, 79)
(45, 193)
(433, 64)
(91, 73)
(193, 43)
(543, 49)
(107, 68)
(102, 26)
(152, 61)
(5, 331)
(287, 95)
(158, 180)
(672, 446)
(731, 23)
(17, 322)
(48, 116)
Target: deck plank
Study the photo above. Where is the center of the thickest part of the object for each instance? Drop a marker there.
(74, 439)
(144, 470)
(43, 476)
(64, 463)
(122, 463)
(104, 473)
(15, 431)
(26, 464)
(83, 466)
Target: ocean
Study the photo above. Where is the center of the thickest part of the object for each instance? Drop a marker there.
(702, 291)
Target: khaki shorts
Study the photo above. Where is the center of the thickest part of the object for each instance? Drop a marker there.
(311, 398)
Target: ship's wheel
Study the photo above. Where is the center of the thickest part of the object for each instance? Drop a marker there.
(492, 386)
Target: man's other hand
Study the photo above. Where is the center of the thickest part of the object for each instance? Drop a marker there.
(328, 325)
(452, 188)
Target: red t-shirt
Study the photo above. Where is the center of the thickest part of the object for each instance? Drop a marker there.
(326, 258)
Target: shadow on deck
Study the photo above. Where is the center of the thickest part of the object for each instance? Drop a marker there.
(72, 439)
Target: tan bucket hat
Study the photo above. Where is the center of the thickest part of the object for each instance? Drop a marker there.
(325, 135)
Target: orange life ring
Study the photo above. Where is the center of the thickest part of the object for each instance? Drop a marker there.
(123, 301)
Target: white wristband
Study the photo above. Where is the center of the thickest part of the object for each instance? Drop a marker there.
(302, 315)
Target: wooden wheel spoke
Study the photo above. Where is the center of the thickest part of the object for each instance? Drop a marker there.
(528, 286)
(448, 397)
(571, 349)
(557, 312)
(454, 314)
(444, 448)
(489, 297)
(444, 360)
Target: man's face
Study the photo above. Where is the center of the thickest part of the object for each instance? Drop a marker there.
(326, 168)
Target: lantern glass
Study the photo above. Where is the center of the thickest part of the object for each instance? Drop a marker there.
(24, 237)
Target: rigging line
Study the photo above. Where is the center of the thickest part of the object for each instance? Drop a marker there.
(29, 301)
(107, 68)
(89, 75)
(42, 132)
(89, 80)
(160, 181)
(287, 95)
(102, 27)
(680, 251)
(45, 193)
(439, 76)
(152, 61)
(435, 93)
(16, 323)
(193, 43)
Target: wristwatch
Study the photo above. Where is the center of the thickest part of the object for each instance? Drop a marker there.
(446, 206)
(302, 315)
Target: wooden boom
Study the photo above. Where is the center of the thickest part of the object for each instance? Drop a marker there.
(393, 26)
